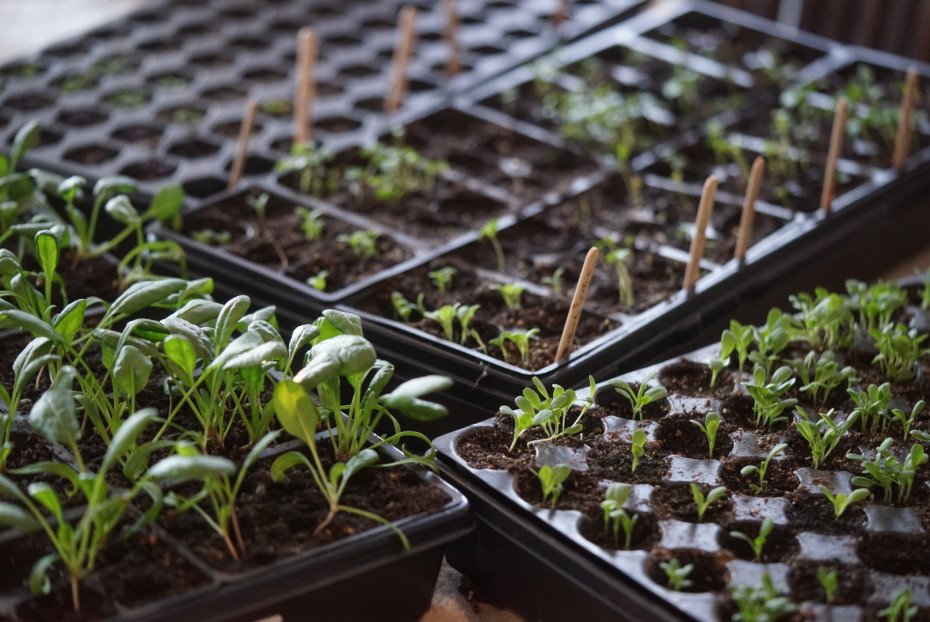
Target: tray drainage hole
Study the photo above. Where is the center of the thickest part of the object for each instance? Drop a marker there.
(169, 81)
(194, 148)
(91, 154)
(183, 115)
(342, 39)
(29, 101)
(248, 43)
(127, 99)
(264, 74)
(160, 45)
(780, 546)
(419, 86)
(487, 50)
(80, 118)
(709, 573)
(146, 135)
(646, 532)
(192, 29)
(153, 168)
(359, 70)
(204, 187)
(337, 125)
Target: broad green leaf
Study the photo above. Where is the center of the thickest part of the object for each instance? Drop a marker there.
(418, 387)
(229, 316)
(139, 296)
(343, 355)
(166, 205)
(126, 435)
(14, 318)
(295, 411)
(300, 337)
(108, 187)
(181, 353)
(9, 264)
(69, 321)
(39, 583)
(46, 495)
(25, 139)
(17, 518)
(48, 252)
(131, 370)
(121, 210)
(55, 413)
(285, 462)
(198, 338)
(69, 188)
(183, 468)
(240, 345)
(198, 311)
(268, 351)
(340, 323)
(112, 339)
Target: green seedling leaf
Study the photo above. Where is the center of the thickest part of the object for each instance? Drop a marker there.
(48, 251)
(25, 139)
(228, 318)
(121, 210)
(300, 337)
(198, 311)
(295, 411)
(267, 351)
(343, 355)
(69, 321)
(55, 413)
(17, 518)
(343, 323)
(139, 296)
(26, 322)
(286, 462)
(131, 370)
(39, 583)
(184, 468)
(125, 437)
(108, 187)
(46, 496)
(182, 355)
(166, 205)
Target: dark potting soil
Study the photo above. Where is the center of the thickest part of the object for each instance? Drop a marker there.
(677, 501)
(709, 574)
(853, 583)
(277, 242)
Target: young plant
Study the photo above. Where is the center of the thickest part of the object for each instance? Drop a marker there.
(886, 471)
(702, 502)
(829, 581)
(393, 171)
(536, 406)
(900, 608)
(677, 574)
(259, 205)
(842, 501)
(709, 428)
(615, 517)
(770, 339)
(310, 162)
(875, 304)
(511, 293)
(907, 421)
(551, 480)
(637, 448)
(767, 394)
(726, 149)
(821, 376)
(442, 278)
(620, 259)
(642, 396)
(716, 366)
(488, 232)
(362, 244)
(736, 339)
(519, 338)
(826, 319)
(760, 603)
(762, 468)
(211, 237)
(318, 280)
(311, 222)
(757, 544)
(899, 350)
(871, 406)
(822, 436)
(555, 280)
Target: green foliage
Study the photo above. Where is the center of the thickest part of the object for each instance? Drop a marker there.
(550, 411)
(310, 163)
(886, 471)
(551, 480)
(637, 448)
(736, 339)
(488, 231)
(768, 401)
(825, 318)
(829, 581)
(899, 350)
(677, 574)
(519, 338)
(391, 172)
(642, 396)
(871, 407)
(620, 258)
(709, 428)
(760, 603)
(761, 469)
(907, 420)
(875, 305)
(311, 222)
(555, 280)
(702, 502)
(615, 518)
(819, 377)
(362, 244)
(318, 280)
(511, 293)
(900, 608)
(757, 544)
(442, 278)
(842, 501)
(211, 237)
(259, 204)
(822, 436)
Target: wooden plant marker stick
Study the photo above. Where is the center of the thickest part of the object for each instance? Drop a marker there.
(402, 51)
(744, 237)
(902, 143)
(700, 233)
(306, 85)
(836, 147)
(451, 34)
(574, 311)
(242, 144)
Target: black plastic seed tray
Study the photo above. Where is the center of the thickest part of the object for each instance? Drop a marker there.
(159, 95)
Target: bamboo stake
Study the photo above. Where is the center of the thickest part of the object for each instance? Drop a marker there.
(744, 237)
(242, 144)
(836, 147)
(451, 33)
(902, 143)
(574, 311)
(402, 51)
(306, 85)
(700, 233)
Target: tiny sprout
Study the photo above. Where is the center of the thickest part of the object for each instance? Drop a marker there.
(637, 448)
(709, 428)
(908, 421)
(757, 544)
(442, 278)
(259, 204)
(716, 366)
(511, 293)
(842, 501)
(311, 223)
(829, 581)
(677, 574)
(551, 480)
(489, 232)
(767, 401)
(519, 338)
(555, 280)
(762, 468)
(736, 339)
(402, 307)
(318, 280)
(620, 259)
(363, 244)
(900, 608)
(615, 517)
(211, 237)
(760, 603)
(641, 397)
(702, 502)
(822, 436)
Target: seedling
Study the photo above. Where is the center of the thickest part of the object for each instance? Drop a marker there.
(310, 162)
(822, 437)
(829, 581)
(726, 149)
(318, 280)
(402, 307)
(488, 232)
(555, 280)
(550, 411)
(716, 366)
(886, 471)
(519, 338)
(642, 396)
(767, 401)
(736, 339)
(393, 171)
(511, 293)
(907, 421)
(442, 278)
(757, 544)
(871, 406)
(900, 608)
(842, 501)
(620, 259)
(259, 205)
(760, 603)
(211, 237)
(311, 222)
(637, 447)
(825, 318)
(899, 350)
(703, 503)
(362, 244)
(615, 517)
(761, 469)
(551, 480)
(677, 574)
(709, 428)
(771, 338)
(875, 304)
(821, 376)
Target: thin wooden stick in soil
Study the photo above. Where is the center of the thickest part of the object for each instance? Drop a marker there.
(700, 233)
(574, 311)
(306, 85)
(242, 144)
(833, 155)
(451, 34)
(402, 51)
(902, 143)
(748, 217)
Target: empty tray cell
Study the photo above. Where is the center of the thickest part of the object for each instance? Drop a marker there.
(80, 117)
(202, 187)
(186, 114)
(212, 60)
(224, 93)
(336, 124)
(23, 70)
(142, 134)
(146, 170)
(91, 155)
(115, 65)
(170, 80)
(127, 99)
(29, 101)
(193, 148)
(75, 83)
(264, 74)
(230, 129)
